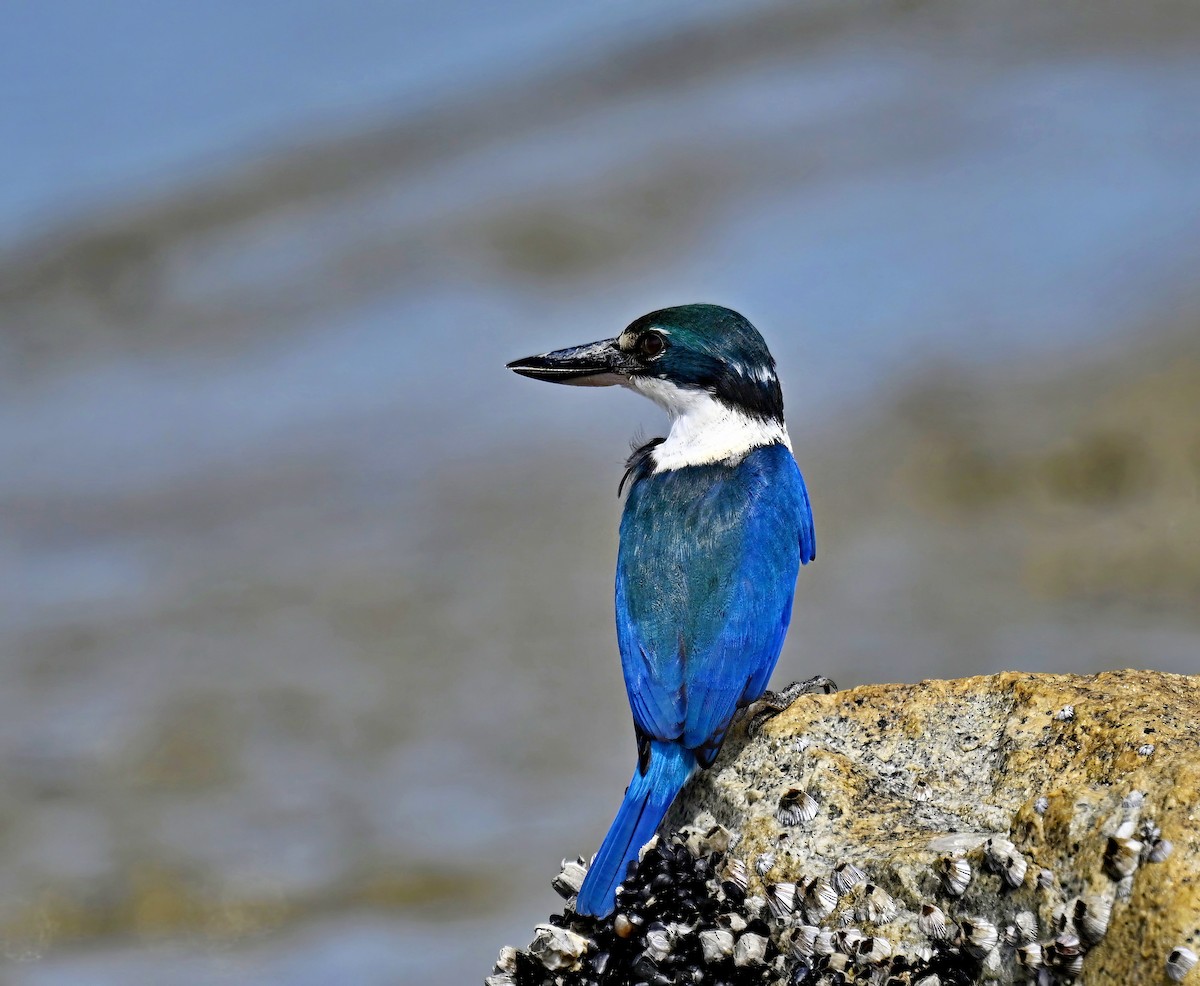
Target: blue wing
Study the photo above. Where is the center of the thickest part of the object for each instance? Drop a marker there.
(705, 577)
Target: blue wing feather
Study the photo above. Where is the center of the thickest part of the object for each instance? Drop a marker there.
(808, 535)
(705, 578)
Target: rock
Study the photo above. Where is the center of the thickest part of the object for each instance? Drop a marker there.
(907, 776)
(971, 831)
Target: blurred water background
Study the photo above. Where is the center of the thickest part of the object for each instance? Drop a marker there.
(308, 672)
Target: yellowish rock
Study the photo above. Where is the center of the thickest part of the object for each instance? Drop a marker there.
(1088, 788)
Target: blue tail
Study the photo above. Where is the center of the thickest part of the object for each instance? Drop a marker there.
(646, 801)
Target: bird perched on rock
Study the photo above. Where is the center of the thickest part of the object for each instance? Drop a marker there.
(716, 525)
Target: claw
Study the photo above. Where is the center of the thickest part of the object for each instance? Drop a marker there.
(772, 703)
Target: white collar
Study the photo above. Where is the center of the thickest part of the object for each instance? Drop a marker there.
(705, 430)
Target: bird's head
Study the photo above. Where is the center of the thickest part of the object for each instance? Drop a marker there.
(690, 359)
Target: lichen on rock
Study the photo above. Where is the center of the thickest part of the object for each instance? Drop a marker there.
(1016, 828)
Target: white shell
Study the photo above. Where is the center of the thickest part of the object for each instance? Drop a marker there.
(979, 936)
(796, 805)
(997, 849)
(805, 940)
(735, 872)
(1002, 857)
(1014, 870)
(1027, 925)
(877, 905)
(1030, 955)
(1180, 962)
(557, 948)
(1065, 953)
(991, 964)
(570, 878)
(754, 906)
(658, 944)
(824, 945)
(717, 944)
(763, 864)
(1090, 917)
(506, 961)
(781, 899)
(838, 962)
(1160, 850)
(706, 837)
(717, 838)
(847, 940)
(956, 874)
(1065, 714)
(874, 949)
(751, 949)
(1134, 800)
(932, 922)
(845, 877)
(1121, 856)
(819, 900)
(1067, 945)
(733, 921)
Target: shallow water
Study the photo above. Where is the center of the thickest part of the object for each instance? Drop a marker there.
(306, 597)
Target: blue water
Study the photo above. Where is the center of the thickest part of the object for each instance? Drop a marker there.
(130, 97)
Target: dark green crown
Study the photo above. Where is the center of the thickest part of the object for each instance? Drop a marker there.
(715, 349)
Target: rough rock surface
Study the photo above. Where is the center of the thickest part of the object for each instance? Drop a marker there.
(1052, 820)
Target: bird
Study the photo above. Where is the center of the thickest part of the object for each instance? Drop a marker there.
(715, 526)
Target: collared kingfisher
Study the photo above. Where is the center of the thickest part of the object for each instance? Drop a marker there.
(715, 527)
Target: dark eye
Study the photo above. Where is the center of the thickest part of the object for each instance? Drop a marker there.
(651, 345)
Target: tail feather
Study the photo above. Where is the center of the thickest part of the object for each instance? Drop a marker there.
(646, 801)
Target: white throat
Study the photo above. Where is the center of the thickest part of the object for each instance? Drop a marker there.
(704, 430)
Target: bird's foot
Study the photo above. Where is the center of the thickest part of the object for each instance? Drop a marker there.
(772, 703)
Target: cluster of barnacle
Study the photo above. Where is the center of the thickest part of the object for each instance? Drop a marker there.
(1133, 843)
(685, 914)
(681, 917)
(1081, 923)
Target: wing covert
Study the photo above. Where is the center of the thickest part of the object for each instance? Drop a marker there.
(705, 578)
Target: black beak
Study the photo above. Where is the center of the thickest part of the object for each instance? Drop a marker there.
(598, 364)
